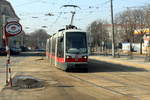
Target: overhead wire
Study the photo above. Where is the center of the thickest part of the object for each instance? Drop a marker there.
(91, 8)
(104, 3)
(28, 3)
(55, 21)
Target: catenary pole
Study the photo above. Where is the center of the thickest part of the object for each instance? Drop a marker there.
(112, 22)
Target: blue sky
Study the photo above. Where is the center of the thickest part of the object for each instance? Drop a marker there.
(90, 10)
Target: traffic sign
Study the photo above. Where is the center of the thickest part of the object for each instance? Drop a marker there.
(13, 28)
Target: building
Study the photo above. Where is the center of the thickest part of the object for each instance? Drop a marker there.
(146, 38)
(7, 10)
(117, 30)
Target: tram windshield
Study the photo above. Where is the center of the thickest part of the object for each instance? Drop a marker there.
(76, 42)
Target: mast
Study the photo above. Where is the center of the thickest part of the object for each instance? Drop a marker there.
(72, 18)
(72, 12)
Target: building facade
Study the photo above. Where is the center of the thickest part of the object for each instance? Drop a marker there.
(7, 10)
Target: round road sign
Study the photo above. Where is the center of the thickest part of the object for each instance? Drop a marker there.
(13, 28)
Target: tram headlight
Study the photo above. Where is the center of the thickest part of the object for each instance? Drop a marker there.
(68, 57)
(85, 57)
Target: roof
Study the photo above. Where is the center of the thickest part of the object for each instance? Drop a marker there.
(9, 11)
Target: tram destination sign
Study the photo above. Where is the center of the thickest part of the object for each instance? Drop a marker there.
(13, 28)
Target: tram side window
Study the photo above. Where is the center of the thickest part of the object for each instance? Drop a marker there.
(53, 46)
(60, 47)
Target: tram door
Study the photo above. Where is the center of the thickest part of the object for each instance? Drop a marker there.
(56, 43)
(51, 45)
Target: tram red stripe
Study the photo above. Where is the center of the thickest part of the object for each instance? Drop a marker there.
(58, 59)
(47, 54)
(62, 60)
(76, 60)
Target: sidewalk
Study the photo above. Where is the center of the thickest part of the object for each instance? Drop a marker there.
(35, 67)
(14, 63)
(136, 61)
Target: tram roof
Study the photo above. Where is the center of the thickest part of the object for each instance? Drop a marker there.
(68, 28)
(74, 30)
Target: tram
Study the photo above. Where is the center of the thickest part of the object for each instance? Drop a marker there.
(68, 48)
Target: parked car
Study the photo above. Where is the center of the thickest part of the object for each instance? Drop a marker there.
(24, 49)
(15, 51)
(42, 50)
(3, 51)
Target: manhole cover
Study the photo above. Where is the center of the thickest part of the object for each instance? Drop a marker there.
(27, 82)
(40, 59)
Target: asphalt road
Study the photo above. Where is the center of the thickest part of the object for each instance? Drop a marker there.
(102, 81)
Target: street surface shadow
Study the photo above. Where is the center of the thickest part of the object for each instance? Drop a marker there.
(78, 70)
(101, 66)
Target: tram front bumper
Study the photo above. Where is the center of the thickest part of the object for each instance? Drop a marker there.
(77, 65)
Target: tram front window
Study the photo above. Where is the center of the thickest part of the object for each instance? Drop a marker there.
(76, 42)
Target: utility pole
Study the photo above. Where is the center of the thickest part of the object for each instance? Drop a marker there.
(3, 25)
(112, 22)
(6, 46)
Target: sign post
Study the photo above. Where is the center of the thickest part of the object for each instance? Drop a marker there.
(10, 29)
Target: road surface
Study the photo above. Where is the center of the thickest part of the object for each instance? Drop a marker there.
(103, 81)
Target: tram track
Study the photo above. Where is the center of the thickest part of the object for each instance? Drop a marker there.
(143, 76)
(77, 83)
(139, 85)
(128, 84)
(116, 81)
(109, 88)
(95, 85)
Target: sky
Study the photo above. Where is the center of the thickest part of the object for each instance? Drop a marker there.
(32, 13)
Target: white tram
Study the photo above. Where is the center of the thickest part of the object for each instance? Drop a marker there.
(68, 48)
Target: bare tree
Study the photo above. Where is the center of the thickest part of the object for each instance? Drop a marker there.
(98, 33)
(37, 39)
(147, 16)
(131, 20)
